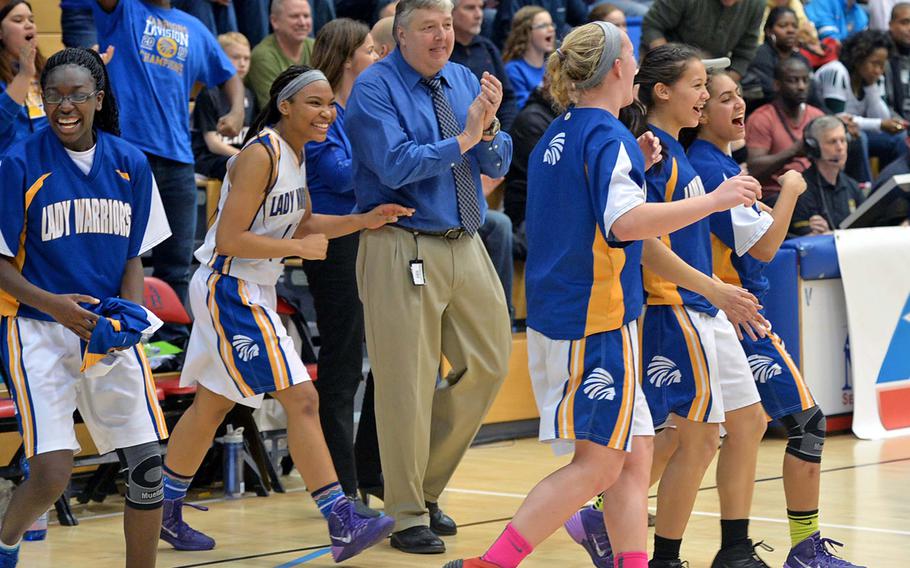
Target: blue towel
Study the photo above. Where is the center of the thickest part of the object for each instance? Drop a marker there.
(122, 324)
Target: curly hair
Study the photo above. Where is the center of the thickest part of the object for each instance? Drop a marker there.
(859, 47)
(106, 119)
(520, 36)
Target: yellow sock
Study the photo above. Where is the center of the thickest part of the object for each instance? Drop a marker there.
(599, 503)
(802, 524)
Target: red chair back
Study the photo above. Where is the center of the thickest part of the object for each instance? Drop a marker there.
(162, 301)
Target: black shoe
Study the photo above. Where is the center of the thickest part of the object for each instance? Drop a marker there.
(440, 523)
(362, 509)
(740, 555)
(418, 540)
(677, 563)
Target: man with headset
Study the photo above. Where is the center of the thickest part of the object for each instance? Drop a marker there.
(831, 195)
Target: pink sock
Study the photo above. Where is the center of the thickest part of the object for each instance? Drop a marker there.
(509, 549)
(631, 560)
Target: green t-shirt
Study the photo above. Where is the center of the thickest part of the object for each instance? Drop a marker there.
(268, 61)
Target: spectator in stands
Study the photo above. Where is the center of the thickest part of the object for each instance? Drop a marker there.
(531, 40)
(77, 23)
(427, 285)
(781, 42)
(721, 28)
(880, 13)
(343, 49)
(21, 63)
(478, 54)
(290, 44)
(849, 87)
(607, 12)
(383, 42)
(634, 8)
(529, 126)
(831, 195)
(217, 16)
(387, 8)
(565, 13)
(897, 72)
(837, 18)
(795, 5)
(774, 132)
(210, 148)
(153, 74)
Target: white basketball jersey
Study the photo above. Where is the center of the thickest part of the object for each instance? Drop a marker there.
(277, 217)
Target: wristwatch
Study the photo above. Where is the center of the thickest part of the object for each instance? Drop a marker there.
(493, 130)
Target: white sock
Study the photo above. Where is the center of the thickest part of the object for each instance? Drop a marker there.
(8, 547)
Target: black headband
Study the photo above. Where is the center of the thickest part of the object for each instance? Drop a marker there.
(4, 12)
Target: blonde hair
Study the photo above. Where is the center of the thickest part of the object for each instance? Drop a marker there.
(520, 36)
(575, 61)
(233, 38)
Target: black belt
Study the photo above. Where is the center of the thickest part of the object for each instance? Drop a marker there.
(452, 234)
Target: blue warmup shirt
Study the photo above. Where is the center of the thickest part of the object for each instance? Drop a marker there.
(674, 179)
(18, 122)
(329, 175)
(68, 232)
(583, 175)
(399, 155)
(733, 232)
(525, 78)
(160, 54)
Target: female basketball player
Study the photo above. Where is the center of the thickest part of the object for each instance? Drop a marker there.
(745, 239)
(79, 208)
(586, 220)
(695, 368)
(239, 349)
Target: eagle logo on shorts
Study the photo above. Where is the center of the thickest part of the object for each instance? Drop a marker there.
(554, 149)
(764, 368)
(599, 385)
(663, 372)
(246, 347)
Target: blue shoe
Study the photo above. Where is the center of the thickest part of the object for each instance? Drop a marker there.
(352, 533)
(817, 552)
(177, 533)
(9, 557)
(586, 527)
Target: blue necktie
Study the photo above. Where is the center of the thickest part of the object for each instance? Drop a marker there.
(465, 190)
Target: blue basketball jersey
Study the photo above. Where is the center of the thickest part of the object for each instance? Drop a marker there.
(585, 173)
(733, 232)
(70, 232)
(674, 179)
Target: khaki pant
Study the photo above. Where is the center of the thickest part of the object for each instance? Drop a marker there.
(460, 313)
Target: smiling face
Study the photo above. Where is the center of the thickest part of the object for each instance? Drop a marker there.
(363, 56)
(310, 112)
(427, 40)
(72, 121)
(683, 100)
(293, 21)
(724, 115)
(784, 31)
(543, 33)
(18, 30)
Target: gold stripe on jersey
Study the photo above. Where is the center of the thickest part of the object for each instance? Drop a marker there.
(805, 397)
(662, 292)
(151, 393)
(276, 360)
(624, 416)
(700, 405)
(26, 412)
(606, 308)
(227, 355)
(723, 262)
(9, 306)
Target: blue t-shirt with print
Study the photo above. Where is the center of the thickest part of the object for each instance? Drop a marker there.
(160, 54)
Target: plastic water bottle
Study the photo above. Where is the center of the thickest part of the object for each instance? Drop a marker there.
(233, 462)
(38, 530)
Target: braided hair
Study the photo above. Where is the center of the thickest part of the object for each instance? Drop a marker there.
(106, 119)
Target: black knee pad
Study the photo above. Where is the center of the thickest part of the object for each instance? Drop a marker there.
(806, 434)
(144, 482)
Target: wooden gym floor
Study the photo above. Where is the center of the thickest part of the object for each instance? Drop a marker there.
(864, 504)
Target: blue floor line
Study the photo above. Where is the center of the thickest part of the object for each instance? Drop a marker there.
(305, 559)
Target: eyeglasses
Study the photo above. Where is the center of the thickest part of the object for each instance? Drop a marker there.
(551, 25)
(75, 98)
